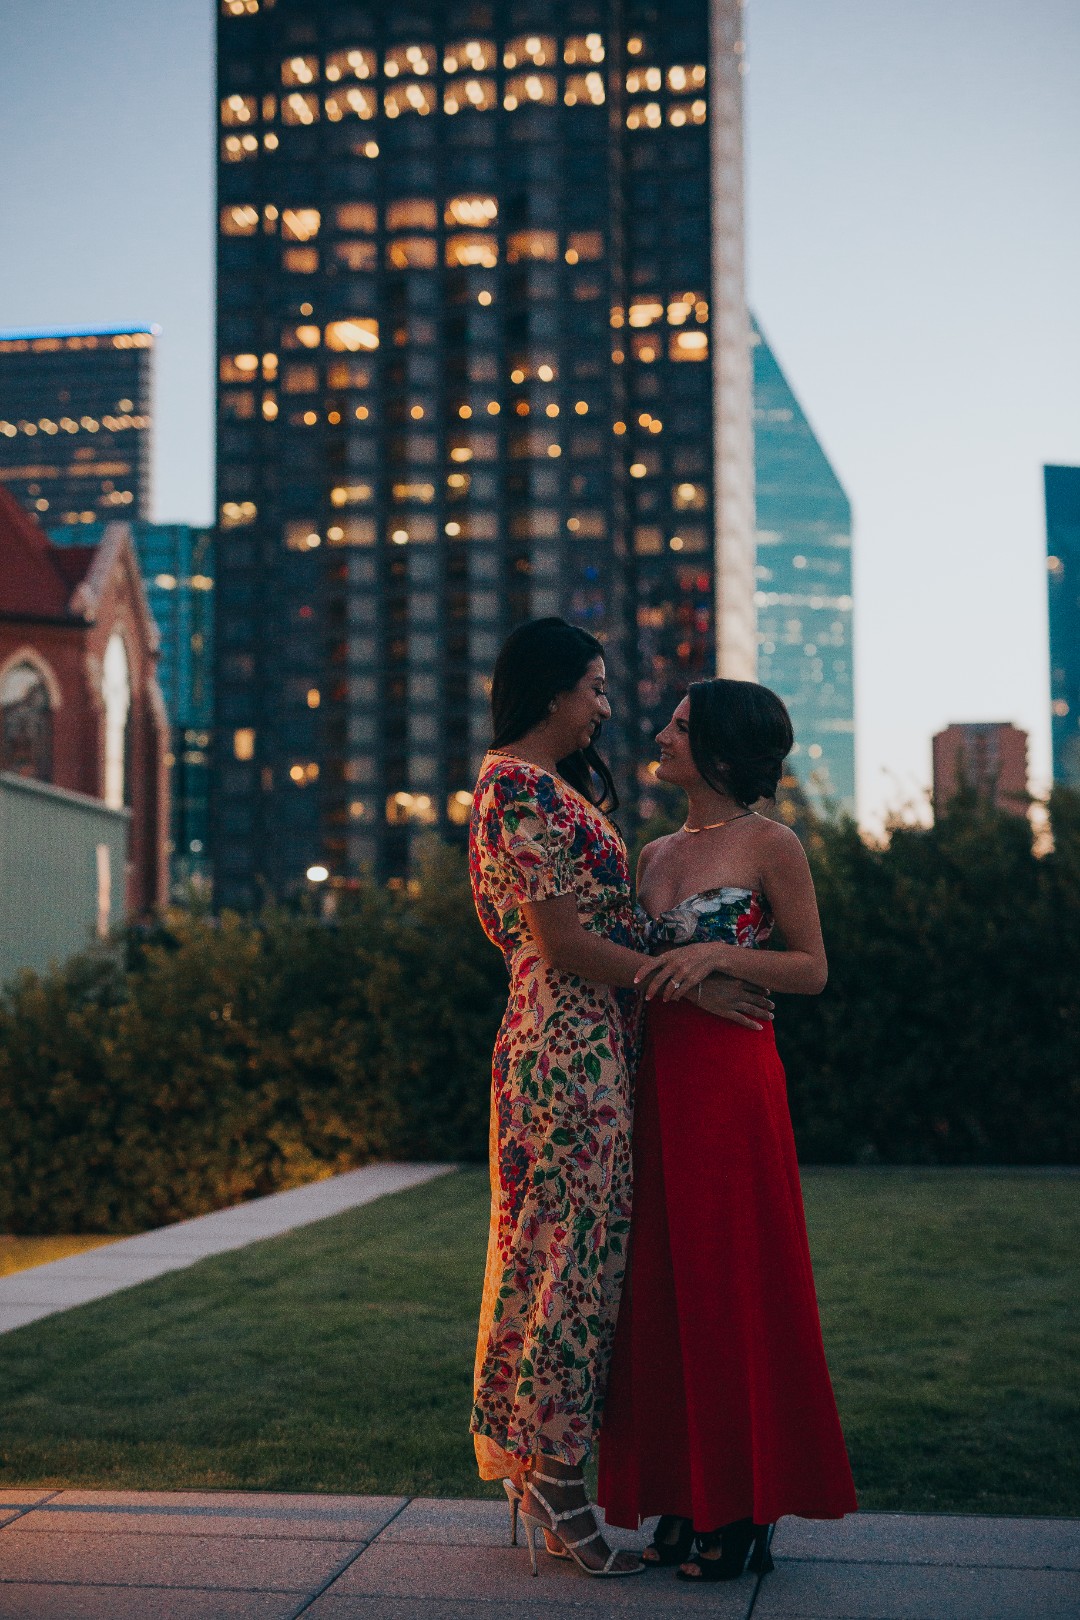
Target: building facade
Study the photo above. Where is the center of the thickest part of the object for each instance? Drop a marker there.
(75, 423)
(804, 588)
(80, 705)
(177, 564)
(482, 356)
(1062, 488)
(988, 758)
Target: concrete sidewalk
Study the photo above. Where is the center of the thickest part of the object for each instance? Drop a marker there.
(26, 1296)
(103, 1555)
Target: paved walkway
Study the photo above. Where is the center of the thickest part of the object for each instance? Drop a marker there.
(102, 1555)
(26, 1296)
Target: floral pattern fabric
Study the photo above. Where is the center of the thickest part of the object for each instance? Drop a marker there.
(560, 1123)
(728, 916)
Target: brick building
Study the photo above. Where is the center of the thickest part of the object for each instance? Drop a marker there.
(987, 757)
(80, 704)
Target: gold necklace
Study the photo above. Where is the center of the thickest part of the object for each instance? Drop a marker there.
(712, 825)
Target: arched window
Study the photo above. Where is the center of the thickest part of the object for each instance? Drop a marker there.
(116, 695)
(26, 725)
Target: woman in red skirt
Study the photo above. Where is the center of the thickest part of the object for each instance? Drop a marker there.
(720, 1414)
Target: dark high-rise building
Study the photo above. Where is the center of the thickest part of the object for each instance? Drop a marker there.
(483, 356)
(177, 566)
(987, 758)
(1062, 486)
(75, 423)
(804, 597)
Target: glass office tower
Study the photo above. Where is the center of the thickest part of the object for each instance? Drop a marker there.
(804, 597)
(483, 356)
(75, 423)
(1062, 488)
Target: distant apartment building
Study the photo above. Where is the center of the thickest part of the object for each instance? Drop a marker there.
(1062, 488)
(804, 591)
(482, 356)
(177, 565)
(75, 413)
(987, 758)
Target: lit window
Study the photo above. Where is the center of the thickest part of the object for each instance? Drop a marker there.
(583, 48)
(648, 542)
(239, 110)
(475, 249)
(471, 210)
(299, 108)
(689, 497)
(300, 70)
(354, 64)
(302, 535)
(530, 50)
(348, 374)
(639, 79)
(353, 335)
(646, 312)
(350, 494)
(239, 221)
(239, 8)
(351, 103)
(244, 743)
(412, 252)
(405, 807)
(237, 148)
(356, 216)
(686, 112)
(478, 94)
(691, 345)
(237, 514)
(300, 224)
(587, 526)
(644, 348)
(238, 367)
(459, 807)
(684, 77)
(238, 404)
(352, 531)
(525, 89)
(406, 59)
(532, 245)
(410, 97)
(584, 88)
(411, 214)
(470, 56)
(421, 494)
(358, 255)
(300, 260)
(647, 115)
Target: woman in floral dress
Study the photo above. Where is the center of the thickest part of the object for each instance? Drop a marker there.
(552, 888)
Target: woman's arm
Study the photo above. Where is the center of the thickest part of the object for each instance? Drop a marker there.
(800, 969)
(570, 948)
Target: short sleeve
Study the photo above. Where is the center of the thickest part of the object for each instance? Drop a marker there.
(536, 836)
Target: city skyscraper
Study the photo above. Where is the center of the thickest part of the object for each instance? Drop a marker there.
(1062, 488)
(804, 600)
(984, 757)
(75, 412)
(483, 356)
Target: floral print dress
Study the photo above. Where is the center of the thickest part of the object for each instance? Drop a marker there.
(560, 1123)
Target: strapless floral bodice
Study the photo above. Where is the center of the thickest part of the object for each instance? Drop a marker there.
(728, 916)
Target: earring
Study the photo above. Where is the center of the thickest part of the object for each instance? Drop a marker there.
(552, 706)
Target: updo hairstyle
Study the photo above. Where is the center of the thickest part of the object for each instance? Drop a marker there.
(538, 661)
(740, 735)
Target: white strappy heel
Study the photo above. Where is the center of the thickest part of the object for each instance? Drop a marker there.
(569, 1548)
(513, 1502)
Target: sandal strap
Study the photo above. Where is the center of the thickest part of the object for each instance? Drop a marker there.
(553, 1479)
(584, 1541)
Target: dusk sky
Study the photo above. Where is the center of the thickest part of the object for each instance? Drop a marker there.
(914, 259)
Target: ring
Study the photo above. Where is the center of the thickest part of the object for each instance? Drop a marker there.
(677, 983)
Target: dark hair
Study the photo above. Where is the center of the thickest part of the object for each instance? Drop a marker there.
(537, 661)
(740, 735)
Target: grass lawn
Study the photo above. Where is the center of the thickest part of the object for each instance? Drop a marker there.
(338, 1358)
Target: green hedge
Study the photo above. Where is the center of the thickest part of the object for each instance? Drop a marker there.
(225, 1058)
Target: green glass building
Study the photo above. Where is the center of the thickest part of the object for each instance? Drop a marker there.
(804, 599)
(1062, 488)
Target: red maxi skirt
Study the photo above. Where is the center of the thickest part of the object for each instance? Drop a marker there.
(719, 1403)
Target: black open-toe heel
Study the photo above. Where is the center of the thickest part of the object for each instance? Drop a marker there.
(744, 1546)
(667, 1549)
